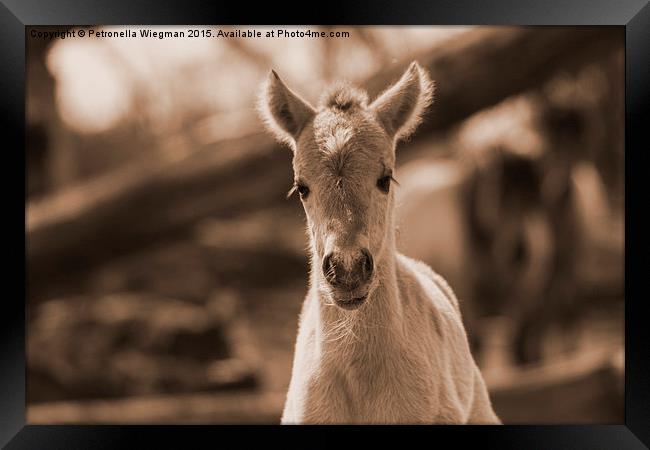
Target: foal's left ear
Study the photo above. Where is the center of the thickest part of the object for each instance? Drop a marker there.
(284, 112)
(399, 109)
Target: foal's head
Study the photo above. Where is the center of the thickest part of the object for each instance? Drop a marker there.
(343, 162)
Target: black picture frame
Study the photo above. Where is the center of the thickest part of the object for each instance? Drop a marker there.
(633, 15)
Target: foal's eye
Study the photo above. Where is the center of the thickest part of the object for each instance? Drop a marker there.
(303, 191)
(384, 183)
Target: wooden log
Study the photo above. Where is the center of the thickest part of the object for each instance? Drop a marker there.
(76, 229)
(585, 388)
(72, 231)
(200, 408)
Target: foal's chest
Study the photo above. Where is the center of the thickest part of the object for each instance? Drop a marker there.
(373, 391)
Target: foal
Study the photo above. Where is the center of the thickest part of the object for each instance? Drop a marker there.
(381, 338)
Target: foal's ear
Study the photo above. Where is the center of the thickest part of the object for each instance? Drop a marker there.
(399, 109)
(283, 111)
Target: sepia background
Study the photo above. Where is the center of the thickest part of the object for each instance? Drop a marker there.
(166, 268)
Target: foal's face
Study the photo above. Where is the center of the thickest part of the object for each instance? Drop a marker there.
(343, 169)
(344, 157)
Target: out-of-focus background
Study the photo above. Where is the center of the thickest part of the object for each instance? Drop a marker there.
(166, 268)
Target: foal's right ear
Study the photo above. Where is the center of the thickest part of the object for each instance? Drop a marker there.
(285, 114)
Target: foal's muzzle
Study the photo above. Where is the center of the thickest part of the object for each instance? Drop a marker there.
(349, 277)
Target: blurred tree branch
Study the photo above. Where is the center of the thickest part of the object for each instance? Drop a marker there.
(489, 64)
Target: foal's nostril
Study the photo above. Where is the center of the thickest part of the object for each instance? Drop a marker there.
(329, 269)
(367, 264)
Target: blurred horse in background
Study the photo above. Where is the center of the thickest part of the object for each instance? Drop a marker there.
(506, 223)
(522, 229)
